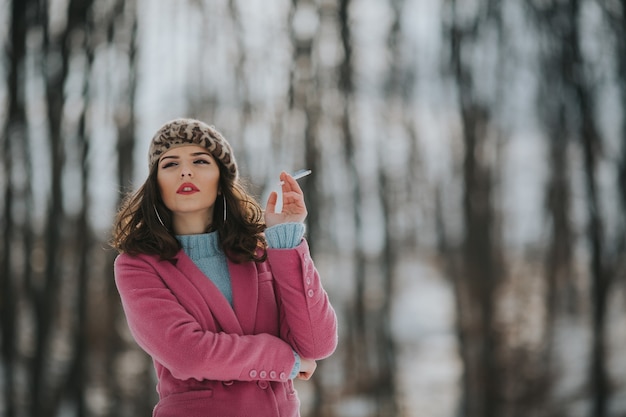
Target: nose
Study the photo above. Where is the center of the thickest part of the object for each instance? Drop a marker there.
(186, 170)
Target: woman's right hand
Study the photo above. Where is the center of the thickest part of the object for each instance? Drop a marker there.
(307, 367)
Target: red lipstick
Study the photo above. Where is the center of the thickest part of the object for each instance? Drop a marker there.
(187, 188)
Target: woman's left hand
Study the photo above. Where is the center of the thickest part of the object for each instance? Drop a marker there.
(307, 368)
(294, 209)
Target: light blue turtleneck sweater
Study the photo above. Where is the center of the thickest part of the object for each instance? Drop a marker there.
(204, 250)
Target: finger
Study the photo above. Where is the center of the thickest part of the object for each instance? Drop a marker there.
(270, 207)
(293, 197)
(305, 376)
(285, 182)
(288, 183)
(294, 205)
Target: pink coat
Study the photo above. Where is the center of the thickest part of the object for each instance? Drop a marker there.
(212, 359)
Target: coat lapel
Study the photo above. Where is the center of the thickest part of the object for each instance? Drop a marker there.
(244, 281)
(218, 305)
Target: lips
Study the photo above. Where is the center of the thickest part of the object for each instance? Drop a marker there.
(187, 188)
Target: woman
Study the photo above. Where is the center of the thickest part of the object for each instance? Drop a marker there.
(223, 296)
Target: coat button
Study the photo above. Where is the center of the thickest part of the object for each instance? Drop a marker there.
(273, 375)
(263, 384)
(310, 293)
(252, 374)
(227, 383)
(282, 376)
(263, 374)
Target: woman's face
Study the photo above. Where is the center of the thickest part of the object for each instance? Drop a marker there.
(188, 178)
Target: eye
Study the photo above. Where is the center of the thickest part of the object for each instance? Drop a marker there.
(201, 162)
(168, 164)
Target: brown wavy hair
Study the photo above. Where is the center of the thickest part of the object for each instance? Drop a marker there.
(137, 229)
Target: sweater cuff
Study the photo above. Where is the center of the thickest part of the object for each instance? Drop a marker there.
(296, 366)
(284, 235)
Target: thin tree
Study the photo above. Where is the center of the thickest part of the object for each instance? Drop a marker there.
(357, 366)
(616, 19)
(121, 25)
(78, 378)
(45, 299)
(304, 99)
(481, 260)
(554, 115)
(386, 390)
(575, 97)
(14, 135)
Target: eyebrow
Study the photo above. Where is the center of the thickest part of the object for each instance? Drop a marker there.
(193, 154)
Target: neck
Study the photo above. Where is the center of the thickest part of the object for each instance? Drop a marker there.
(191, 223)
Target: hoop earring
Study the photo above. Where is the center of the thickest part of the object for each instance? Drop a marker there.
(158, 217)
(224, 198)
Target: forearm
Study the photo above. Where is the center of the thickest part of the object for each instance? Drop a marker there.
(169, 333)
(308, 321)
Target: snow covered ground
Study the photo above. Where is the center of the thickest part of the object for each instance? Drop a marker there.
(429, 367)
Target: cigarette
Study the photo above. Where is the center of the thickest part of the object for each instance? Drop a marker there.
(299, 174)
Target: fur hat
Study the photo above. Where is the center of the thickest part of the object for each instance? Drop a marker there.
(182, 132)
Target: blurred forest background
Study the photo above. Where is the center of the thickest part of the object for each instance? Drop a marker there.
(467, 203)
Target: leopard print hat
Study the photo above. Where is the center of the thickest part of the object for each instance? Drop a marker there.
(181, 132)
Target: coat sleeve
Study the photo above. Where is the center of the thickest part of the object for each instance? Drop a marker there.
(308, 321)
(173, 337)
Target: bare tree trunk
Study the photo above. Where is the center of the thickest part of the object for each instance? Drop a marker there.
(14, 135)
(122, 23)
(8, 304)
(601, 278)
(576, 108)
(361, 367)
(78, 374)
(560, 292)
(44, 296)
(480, 274)
(558, 259)
(481, 265)
(387, 366)
(304, 98)
(46, 392)
(617, 22)
(242, 91)
(556, 115)
(619, 28)
(395, 190)
(559, 254)
(357, 368)
(84, 240)
(125, 114)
